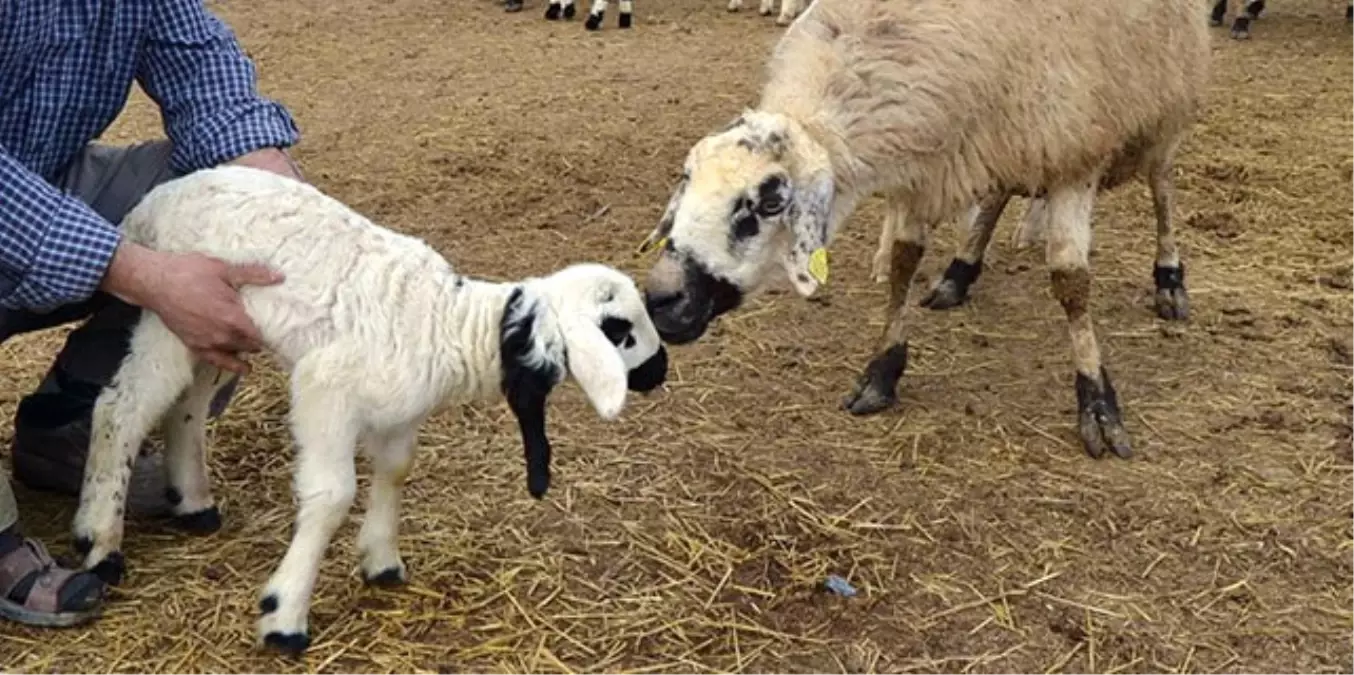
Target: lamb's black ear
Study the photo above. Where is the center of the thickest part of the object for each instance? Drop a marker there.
(527, 381)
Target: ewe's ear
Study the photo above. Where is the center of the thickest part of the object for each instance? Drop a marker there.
(806, 259)
(660, 233)
(595, 364)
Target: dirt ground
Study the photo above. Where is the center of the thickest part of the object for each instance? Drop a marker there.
(695, 533)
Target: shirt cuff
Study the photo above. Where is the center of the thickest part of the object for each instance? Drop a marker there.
(259, 125)
(71, 261)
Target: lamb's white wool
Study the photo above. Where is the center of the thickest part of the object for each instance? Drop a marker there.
(789, 9)
(938, 106)
(378, 332)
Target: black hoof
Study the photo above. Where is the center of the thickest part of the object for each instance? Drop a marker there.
(512, 6)
(1172, 301)
(552, 13)
(1241, 28)
(570, 12)
(624, 21)
(388, 577)
(765, 12)
(110, 569)
(594, 21)
(1256, 8)
(1098, 419)
(202, 522)
(291, 644)
(876, 389)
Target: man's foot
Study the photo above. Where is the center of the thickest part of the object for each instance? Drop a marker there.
(51, 442)
(37, 592)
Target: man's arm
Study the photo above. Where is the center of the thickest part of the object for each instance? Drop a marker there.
(192, 66)
(54, 250)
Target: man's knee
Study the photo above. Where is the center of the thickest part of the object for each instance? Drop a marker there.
(112, 179)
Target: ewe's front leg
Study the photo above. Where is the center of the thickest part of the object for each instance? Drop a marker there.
(952, 288)
(324, 427)
(155, 371)
(876, 389)
(1172, 301)
(185, 433)
(392, 457)
(1069, 241)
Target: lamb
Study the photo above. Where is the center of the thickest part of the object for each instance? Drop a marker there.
(789, 9)
(937, 105)
(565, 9)
(378, 333)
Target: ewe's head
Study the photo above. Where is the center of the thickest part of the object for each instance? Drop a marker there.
(753, 199)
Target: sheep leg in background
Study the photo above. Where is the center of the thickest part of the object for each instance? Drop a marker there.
(876, 389)
(392, 457)
(156, 370)
(1172, 302)
(879, 268)
(1219, 13)
(789, 9)
(1069, 242)
(560, 9)
(185, 432)
(324, 425)
(1032, 227)
(952, 288)
(735, 5)
(767, 8)
(598, 12)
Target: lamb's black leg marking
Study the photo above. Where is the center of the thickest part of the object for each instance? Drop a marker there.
(290, 644)
(1255, 8)
(570, 11)
(552, 12)
(527, 381)
(595, 20)
(1241, 27)
(1219, 13)
(111, 569)
(625, 20)
(389, 577)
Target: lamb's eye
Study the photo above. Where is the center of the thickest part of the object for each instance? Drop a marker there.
(617, 331)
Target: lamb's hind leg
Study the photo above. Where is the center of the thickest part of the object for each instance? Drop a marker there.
(876, 389)
(596, 15)
(324, 425)
(185, 433)
(156, 370)
(952, 289)
(392, 457)
(1069, 242)
(1172, 302)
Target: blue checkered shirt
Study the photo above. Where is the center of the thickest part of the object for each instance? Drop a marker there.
(66, 70)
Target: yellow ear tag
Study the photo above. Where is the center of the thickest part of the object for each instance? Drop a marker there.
(657, 246)
(818, 265)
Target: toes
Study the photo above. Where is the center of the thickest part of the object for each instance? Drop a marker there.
(388, 577)
(202, 522)
(1172, 304)
(111, 569)
(867, 401)
(945, 295)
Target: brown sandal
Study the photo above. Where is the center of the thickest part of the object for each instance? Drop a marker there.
(47, 595)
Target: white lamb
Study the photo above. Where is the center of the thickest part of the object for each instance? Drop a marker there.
(789, 9)
(938, 105)
(566, 9)
(378, 332)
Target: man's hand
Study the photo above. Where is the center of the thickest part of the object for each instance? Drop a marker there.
(270, 159)
(195, 295)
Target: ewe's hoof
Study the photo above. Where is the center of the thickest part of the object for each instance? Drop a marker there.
(386, 578)
(945, 295)
(290, 644)
(1099, 422)
(1172, 301)
(876, 389)
(202, 522)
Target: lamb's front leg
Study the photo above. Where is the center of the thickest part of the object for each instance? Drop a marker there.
(325, 429)
(876, 389)
(185, 433)
(952, 288)
(157, 368)
(1069, 241)
(392, 457)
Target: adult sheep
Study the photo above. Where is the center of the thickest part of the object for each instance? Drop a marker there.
(937, 105)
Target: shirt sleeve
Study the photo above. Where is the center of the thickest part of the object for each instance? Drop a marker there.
(192, 66)
(54, 250)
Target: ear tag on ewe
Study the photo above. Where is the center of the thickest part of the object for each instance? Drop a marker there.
(656, 246)
(818, 265)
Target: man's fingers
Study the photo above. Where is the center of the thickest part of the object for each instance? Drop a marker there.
(252, 274)
(224, 361)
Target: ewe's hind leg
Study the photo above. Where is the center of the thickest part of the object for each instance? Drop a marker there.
(952, 288)
(157, 368)
(1168, 273)
(876, 389)
(1069, 243)
(1033, 226)
(324, 425)
(392, 457)
(185, 433)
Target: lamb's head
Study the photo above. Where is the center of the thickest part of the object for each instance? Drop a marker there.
(754, 198)
(587, 320)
